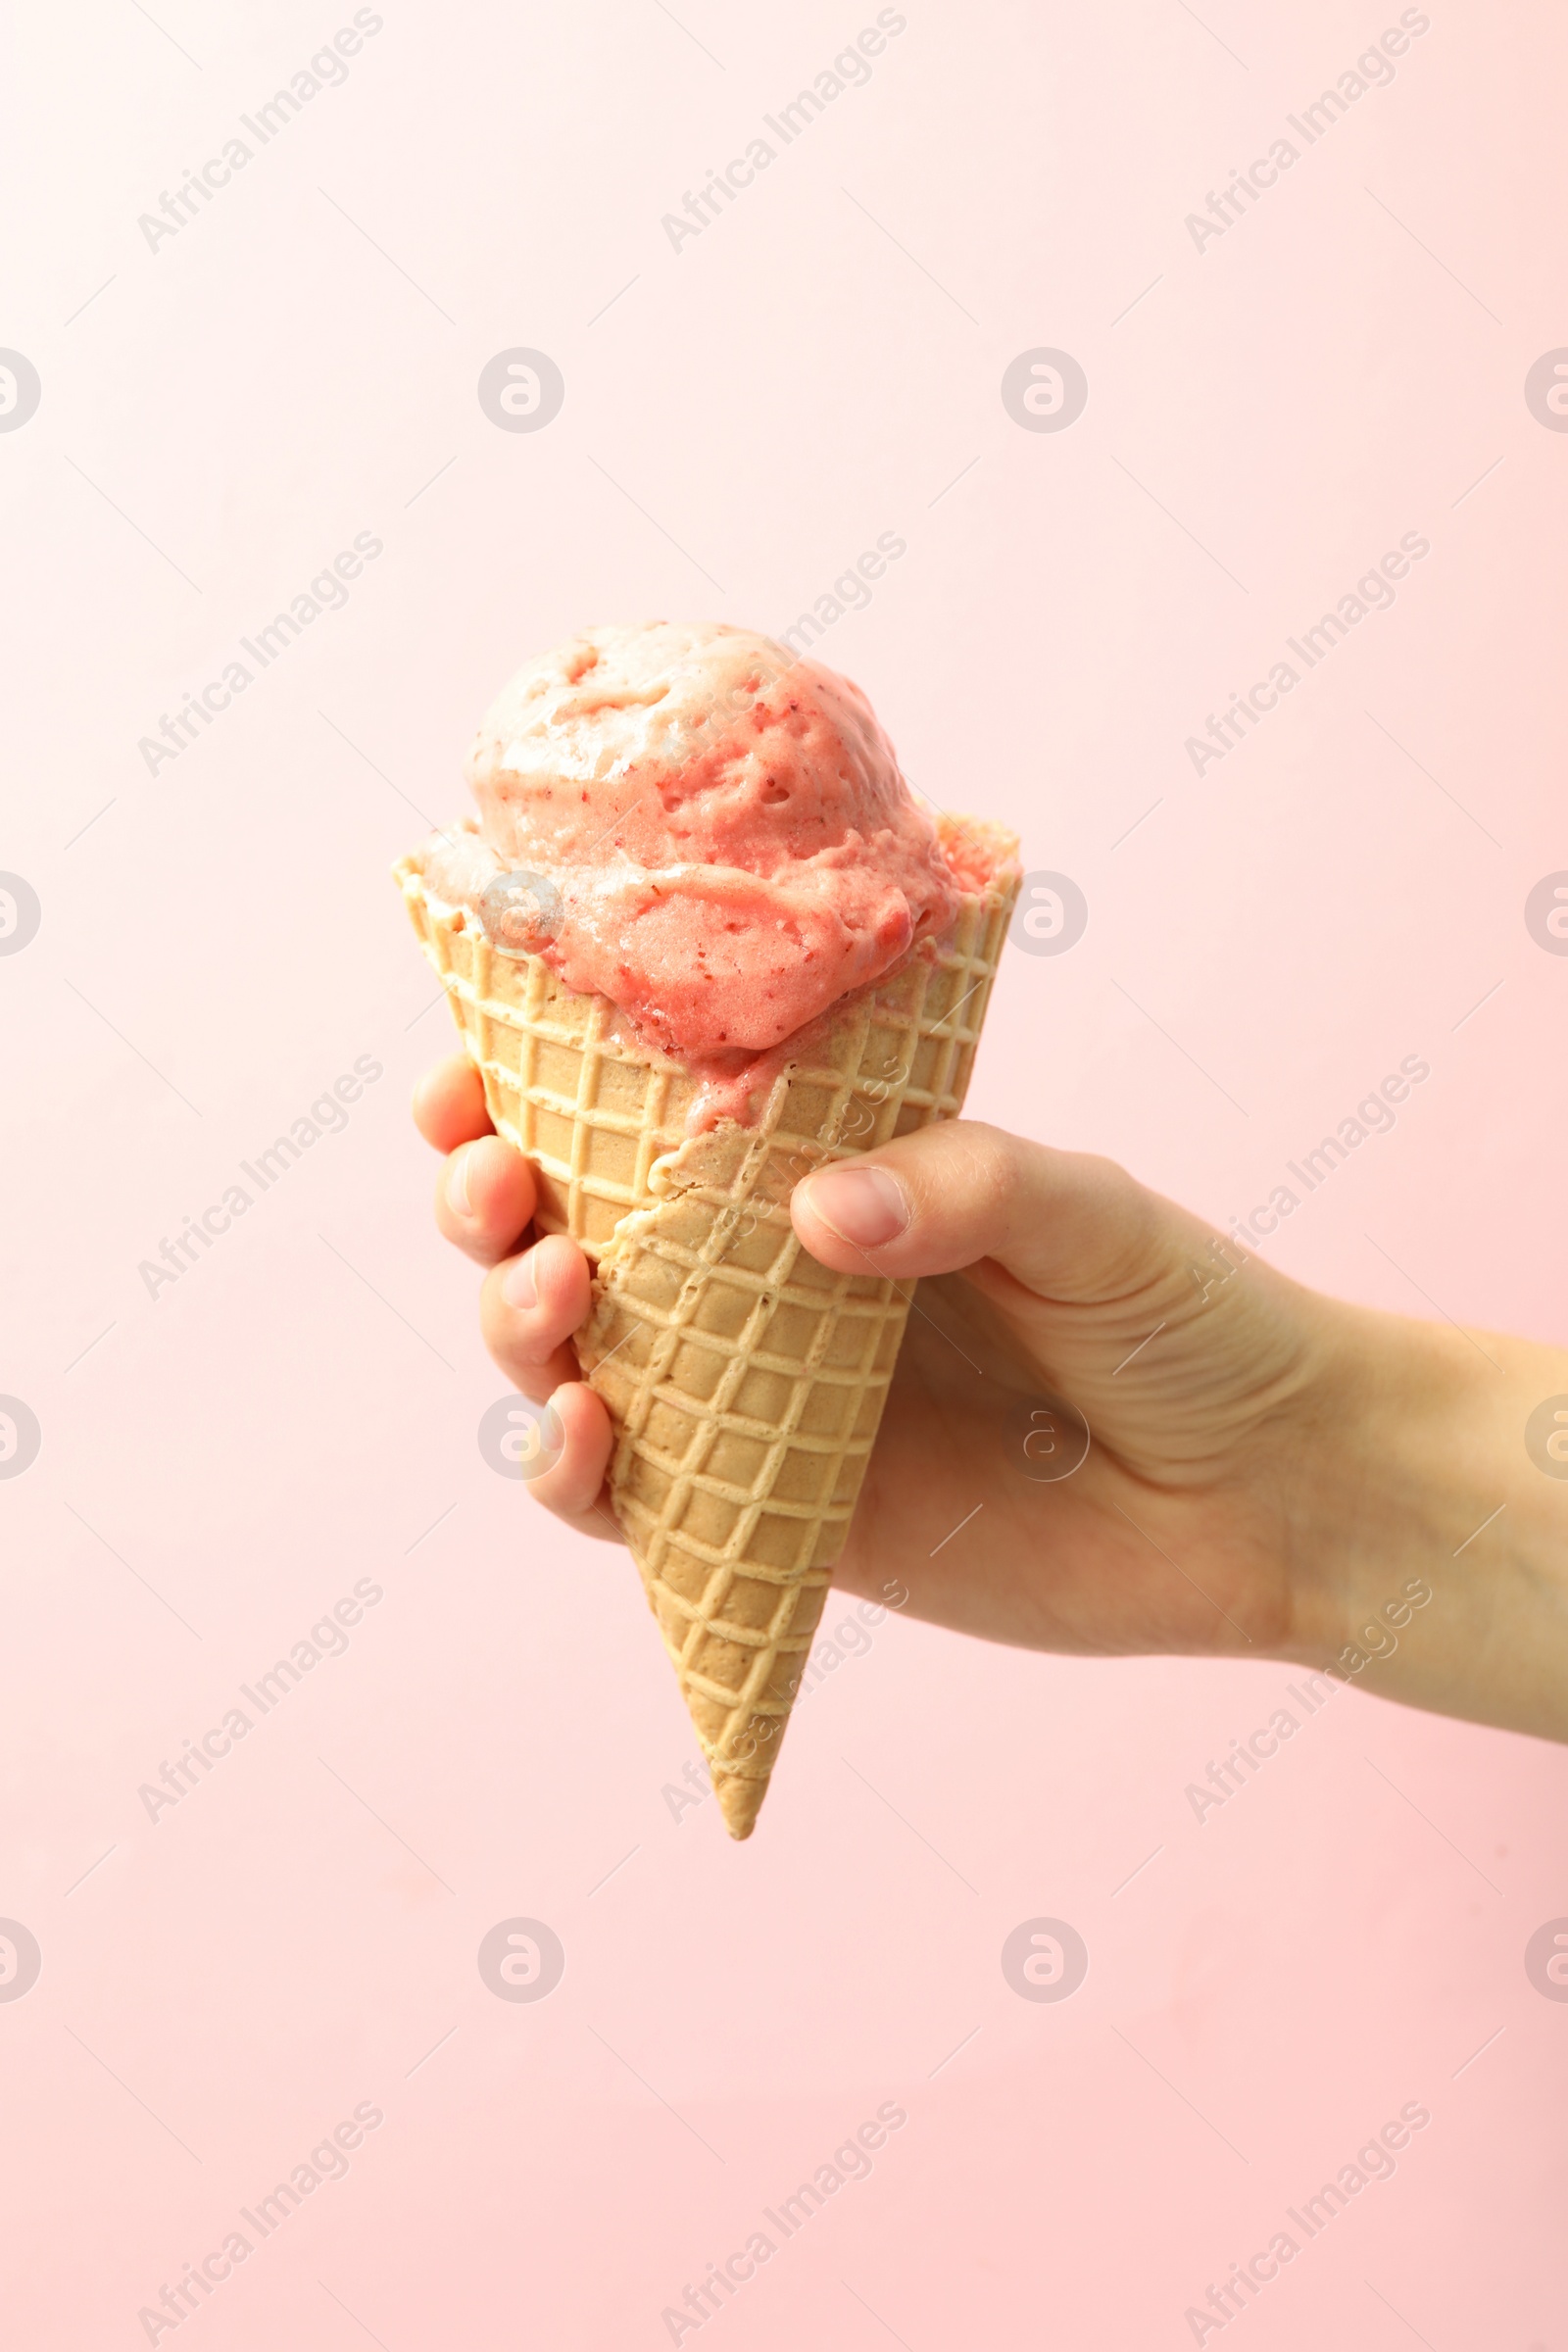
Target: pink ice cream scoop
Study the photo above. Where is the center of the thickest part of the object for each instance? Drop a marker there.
(703, 827)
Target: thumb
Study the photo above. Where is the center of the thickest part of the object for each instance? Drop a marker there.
(1065, 1224)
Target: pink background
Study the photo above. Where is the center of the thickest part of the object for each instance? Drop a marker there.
(220, 941)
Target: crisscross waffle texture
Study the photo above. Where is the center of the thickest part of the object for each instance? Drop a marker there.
(744, 1380)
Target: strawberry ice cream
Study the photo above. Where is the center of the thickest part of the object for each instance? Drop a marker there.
(708, 830)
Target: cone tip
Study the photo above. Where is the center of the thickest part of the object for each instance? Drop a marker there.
(739, 1801)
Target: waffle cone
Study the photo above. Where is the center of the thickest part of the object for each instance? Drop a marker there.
(744, 1380)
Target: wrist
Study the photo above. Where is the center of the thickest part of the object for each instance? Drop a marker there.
(1429, 1561)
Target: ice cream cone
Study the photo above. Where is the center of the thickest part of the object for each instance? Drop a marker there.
(745, 1381)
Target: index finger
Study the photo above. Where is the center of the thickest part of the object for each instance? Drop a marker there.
(449, 1105)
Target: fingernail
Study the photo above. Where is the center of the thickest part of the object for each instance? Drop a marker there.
(518, 1286)
(864, 1206)
(458, 1185)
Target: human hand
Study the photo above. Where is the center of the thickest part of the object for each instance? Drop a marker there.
(1264, 1468)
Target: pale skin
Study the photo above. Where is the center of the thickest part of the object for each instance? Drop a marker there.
(1270, 1470)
